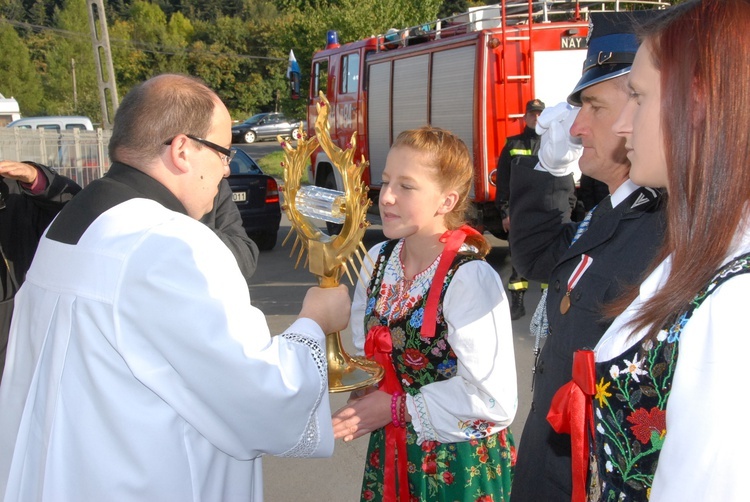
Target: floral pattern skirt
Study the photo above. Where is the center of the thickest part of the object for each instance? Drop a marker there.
(478, 470)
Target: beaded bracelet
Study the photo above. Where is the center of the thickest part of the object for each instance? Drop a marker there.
(394, 409)
(402, 411)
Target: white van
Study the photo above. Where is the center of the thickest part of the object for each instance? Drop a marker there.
(61, 123)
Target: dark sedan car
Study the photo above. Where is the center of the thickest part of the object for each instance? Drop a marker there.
(257, 197)
(265, 126)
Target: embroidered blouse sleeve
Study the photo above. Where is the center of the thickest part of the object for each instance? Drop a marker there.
(359, 301)
(481, 399)
(711, 367)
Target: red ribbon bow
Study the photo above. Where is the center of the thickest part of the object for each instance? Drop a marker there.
(569, 413)
(378, 346)
(453, 240)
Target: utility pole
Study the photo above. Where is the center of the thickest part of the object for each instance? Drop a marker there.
(75, 86)
(100, 42)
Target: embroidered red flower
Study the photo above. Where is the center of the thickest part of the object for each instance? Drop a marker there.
(429, 464)
(375, 459)
(485, 498)
(429, 446)
(415, 359)
(483, 454)
(368, 495)
(448, 478)
(647, 423)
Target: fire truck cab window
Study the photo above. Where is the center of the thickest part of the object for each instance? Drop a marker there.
(349, 73)
(321, 78)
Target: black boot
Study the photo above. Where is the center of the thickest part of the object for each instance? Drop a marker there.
(517, 310)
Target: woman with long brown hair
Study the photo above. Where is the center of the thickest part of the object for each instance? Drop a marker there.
(667, 415)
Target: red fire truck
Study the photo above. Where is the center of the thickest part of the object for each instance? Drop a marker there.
(471, 73)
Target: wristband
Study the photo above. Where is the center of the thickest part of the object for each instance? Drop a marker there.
(402, 411)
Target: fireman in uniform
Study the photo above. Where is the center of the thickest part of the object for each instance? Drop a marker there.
(526, 144)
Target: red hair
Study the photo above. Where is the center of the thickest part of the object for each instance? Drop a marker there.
(454, 170)
(702, 50)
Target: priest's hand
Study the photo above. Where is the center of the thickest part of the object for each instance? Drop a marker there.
(362, 416)
(328, 307)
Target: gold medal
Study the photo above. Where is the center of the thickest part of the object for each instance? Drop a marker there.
(565, 303)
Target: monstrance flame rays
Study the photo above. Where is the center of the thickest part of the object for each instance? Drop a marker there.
(328, 257)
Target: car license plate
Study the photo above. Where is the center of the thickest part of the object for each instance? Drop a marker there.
(239, 196)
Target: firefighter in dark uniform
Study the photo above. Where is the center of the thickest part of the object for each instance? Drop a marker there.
(524, 144)
(587, 266)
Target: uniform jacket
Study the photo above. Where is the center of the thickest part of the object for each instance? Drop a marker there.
(226, 222)
(524, 144)
(138, 368)
(622, 244)
(22, 222)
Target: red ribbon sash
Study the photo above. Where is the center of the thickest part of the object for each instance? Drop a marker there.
(453, 240)
(571, 411)
(378, 346)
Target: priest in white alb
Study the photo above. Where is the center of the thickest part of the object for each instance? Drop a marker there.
(137, 369)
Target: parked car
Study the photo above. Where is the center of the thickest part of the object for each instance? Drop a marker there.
(55, 123)
(265, 126)
(257, 197)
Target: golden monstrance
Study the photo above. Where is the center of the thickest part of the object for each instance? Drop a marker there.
(330, 256)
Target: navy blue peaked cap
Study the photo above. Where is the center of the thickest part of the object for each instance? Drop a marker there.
(612, 45)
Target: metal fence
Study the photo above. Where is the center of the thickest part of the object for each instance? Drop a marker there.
(79, 155)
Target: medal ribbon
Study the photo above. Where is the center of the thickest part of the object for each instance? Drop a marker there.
(571, 410)
(378, 346)
(578, 272)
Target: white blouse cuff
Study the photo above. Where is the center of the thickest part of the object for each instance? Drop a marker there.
(420, 418)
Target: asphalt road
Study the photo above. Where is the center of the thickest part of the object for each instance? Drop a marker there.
(259, 148)
(278, 289)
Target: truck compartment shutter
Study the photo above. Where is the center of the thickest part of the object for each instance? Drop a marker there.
(453, 84)
(378, 118)
(410, 85)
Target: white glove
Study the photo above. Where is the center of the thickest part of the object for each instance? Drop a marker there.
(558, 151)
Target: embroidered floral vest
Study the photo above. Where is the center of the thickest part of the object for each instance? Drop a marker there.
(418, 361)
(632, 391)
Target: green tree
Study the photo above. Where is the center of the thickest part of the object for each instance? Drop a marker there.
(164, 42)
(72, 43)
(304, 29)
(131, 64)
(12, 9)
(18, 76)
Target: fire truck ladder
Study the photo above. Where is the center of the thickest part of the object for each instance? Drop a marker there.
(518, 85)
